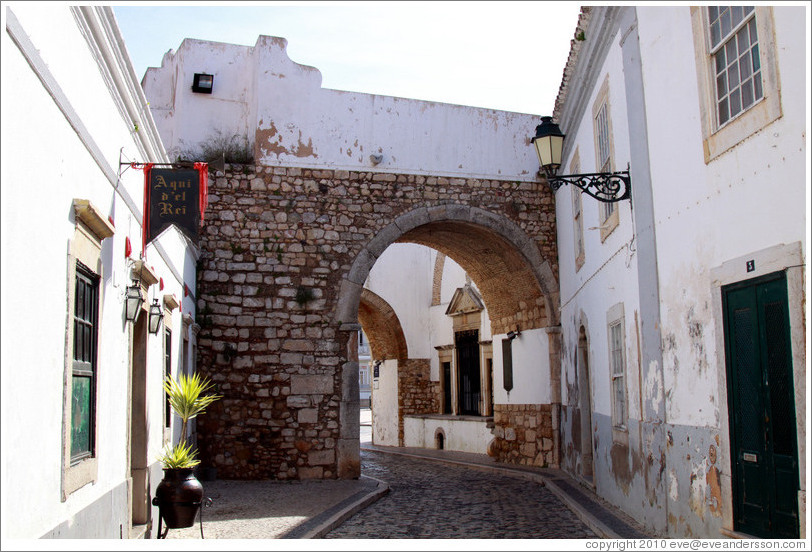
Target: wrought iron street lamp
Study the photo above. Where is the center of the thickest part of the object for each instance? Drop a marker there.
(606, 187)
(156, 315)
(133, 301)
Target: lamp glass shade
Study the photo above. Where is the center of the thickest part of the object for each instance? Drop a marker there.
(156, 315)
(133, 301)
(549, 151)
(549, 143)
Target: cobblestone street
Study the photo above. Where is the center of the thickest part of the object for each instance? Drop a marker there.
(432, 500)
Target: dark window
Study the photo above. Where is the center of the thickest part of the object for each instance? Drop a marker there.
(83, 380)
(507, 364)
(447, 388)
(470, 384)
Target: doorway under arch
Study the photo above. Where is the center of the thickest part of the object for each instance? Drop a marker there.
(585, 403)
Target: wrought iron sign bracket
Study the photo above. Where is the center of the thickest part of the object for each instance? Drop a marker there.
(606, 187)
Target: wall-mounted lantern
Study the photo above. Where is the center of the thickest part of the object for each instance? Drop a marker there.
(156, 315)
(133, 301)
(606, 187)
(203, 83)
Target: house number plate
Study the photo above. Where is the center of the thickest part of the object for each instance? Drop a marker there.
(749, 457)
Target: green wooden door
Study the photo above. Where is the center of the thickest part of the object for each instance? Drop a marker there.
(762, 407)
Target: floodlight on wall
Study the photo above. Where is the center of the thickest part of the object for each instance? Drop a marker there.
(203, 83)
(606, 187)
(133, 301)
(156, 315)
(511, 335)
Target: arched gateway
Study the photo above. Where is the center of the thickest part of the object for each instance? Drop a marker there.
(285, 254)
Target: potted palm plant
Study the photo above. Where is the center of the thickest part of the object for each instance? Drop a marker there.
(179, 494)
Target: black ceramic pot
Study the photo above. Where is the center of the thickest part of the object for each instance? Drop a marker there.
(179, 495)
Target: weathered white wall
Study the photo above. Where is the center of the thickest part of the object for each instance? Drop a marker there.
(753, 197)
(749, 198)
(301, 124)
(402, 277)
(608, 275)
(47, 164)
(385, 405)
(182, 116)
(741, 204)
(463, 435)
(531, 369)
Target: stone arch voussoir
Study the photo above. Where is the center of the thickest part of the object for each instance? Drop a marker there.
(417, 224)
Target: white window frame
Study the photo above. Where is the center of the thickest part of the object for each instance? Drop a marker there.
(615, 320)
(608, 217)
(85, 247)
(577, 216)
(718, 139)
(738, 50)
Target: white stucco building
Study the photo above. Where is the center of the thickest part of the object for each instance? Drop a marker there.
(669, 411)
(84, 414)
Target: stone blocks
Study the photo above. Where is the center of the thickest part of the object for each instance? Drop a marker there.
(284, 254)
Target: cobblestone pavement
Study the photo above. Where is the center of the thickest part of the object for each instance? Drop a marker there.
(432, 500)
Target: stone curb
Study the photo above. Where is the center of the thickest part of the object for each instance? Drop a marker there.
(594, 524)
(325, 522)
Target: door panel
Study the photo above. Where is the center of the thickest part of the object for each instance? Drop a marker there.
(778, 361)
(762, 407)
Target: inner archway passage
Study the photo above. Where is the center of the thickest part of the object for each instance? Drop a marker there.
(382, 327)
(509, 288)
(517, 283)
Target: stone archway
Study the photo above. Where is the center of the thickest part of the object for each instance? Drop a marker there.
(491, 248)
(285, 252)
(516, 282)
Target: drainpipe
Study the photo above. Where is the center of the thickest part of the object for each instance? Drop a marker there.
(653, 445)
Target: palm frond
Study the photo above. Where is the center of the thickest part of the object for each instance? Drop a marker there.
(186, 395)
(179, 456)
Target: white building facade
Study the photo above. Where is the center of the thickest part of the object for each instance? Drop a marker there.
(682, 309)
(84, 411)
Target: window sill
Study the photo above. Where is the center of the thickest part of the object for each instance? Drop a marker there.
(579, 261)
(608, 226)
(77, 476)
(92, 217)
(620, 435)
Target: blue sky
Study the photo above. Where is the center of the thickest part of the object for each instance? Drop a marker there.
(501, 55)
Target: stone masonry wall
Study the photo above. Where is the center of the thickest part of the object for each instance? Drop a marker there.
(417, 394)
(524, 434)
(276, 245)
